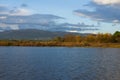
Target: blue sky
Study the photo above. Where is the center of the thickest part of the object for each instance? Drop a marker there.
(62, 8)
(89, 12)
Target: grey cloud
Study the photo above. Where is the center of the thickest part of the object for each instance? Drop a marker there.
(70, 27)
(78, 25)
(24, 5)
(104, 13)
(36, 19)
(30, 21)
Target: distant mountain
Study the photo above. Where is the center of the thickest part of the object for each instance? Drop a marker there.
(32, 34)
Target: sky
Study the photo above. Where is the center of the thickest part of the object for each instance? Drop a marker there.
(91, 16)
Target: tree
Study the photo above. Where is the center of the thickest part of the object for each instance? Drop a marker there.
(90, 38)
(69, 38)
(78, 38)
(58, 39)
(116, 36)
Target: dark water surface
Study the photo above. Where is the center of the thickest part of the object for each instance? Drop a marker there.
(46, 63)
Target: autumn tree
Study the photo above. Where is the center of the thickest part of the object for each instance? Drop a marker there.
(69, 38)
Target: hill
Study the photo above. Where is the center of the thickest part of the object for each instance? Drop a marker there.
(32, 34)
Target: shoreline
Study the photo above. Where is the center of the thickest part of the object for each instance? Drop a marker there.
(58, 44)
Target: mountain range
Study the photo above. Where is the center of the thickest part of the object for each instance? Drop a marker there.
(32, 34)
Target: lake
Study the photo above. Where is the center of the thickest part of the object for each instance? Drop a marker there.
(59, 63)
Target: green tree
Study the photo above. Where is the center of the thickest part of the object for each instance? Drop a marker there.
(116, 36)
(58, 39)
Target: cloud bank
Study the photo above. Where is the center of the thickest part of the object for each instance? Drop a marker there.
(102, 10)
(21, 18)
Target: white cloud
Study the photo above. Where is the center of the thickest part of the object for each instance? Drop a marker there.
(5, 10)
(116, 21)
(3, 17)
(107, 2)
(14, 27)
(20, 11)
(73, 31)
(11, 26)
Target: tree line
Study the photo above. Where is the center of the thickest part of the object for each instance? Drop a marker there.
(92, 38)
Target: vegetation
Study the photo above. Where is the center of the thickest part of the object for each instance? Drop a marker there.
(98, 40)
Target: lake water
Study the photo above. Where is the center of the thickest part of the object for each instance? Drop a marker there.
(59, 63)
